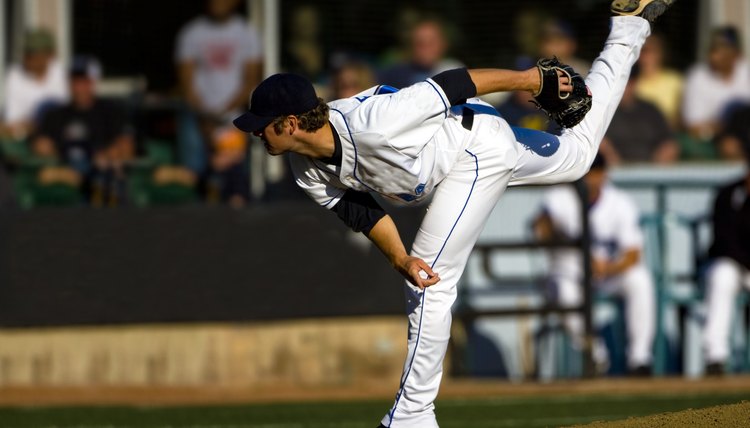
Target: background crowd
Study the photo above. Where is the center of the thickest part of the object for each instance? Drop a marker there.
(65, 143)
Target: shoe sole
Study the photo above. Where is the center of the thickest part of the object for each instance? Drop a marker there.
(646, 9)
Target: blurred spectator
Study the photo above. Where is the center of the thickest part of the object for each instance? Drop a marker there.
(639, 132)
(37, 82)
(617, 248)
(427, 57)
(229, 181)
(519, 110)
(658, 84)
(219, 57)
(351, 79)
(527, 30)
(89, 136)
(303, 52)
(730, 270)
(558, 39)
(715, 85)
(406, 18)
(735, 135)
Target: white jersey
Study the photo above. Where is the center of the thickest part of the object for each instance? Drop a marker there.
(25, 94)
(399, 144)
(614, 222)
(219, 52)
(709, 94)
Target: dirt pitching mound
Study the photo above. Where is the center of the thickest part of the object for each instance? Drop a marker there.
(733, 415)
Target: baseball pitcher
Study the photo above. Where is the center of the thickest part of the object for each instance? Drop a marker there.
(436, 137)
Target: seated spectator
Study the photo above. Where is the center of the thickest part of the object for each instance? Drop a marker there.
(558, 39)
(428, 49)
(715, 85)
(350, 79)
(37, 82)
(730, 270)
(219, 59)
(617, 248)
(229, 181)
(658, 84)
(735, 135)
(89, 136)
(639, 131)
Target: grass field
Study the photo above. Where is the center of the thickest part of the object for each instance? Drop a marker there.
(453, 413)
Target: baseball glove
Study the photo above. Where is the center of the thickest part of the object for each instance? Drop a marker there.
(567, 109)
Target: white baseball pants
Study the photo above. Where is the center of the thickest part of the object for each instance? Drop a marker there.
(491, 161)
(636, 286)
(725, 278)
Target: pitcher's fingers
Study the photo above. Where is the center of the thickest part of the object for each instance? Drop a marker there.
(426, 268)
(431, 281)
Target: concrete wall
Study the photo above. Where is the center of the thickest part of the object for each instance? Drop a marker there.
(340, 352)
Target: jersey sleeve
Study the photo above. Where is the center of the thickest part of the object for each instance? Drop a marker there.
(320, 185)
(186, 48)
(12, 113)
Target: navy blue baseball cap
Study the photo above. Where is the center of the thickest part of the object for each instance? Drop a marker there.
(282, 94)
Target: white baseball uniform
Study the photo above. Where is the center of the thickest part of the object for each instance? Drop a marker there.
(403, 144)
(614, 224)
(730, 270)
(724, 280)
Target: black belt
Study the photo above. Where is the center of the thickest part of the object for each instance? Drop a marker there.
(468, 118)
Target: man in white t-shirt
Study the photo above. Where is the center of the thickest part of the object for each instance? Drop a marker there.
(617, 248)
(37, 81)
(219, 59)
(716, 84)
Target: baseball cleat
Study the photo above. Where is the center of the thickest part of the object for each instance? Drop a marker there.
(649, 10)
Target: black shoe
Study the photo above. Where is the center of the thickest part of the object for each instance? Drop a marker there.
(381, 426)
(715, 369)
(649, 10)
(640, 371)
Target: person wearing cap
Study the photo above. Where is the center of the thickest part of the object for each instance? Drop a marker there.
(89, 136)
(617, 260)
(729, 272)
(39, 81)
(434, 139)
(716, 84)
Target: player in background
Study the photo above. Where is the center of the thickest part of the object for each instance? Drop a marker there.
(617, 260)
(730, 270)
(402, 144)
